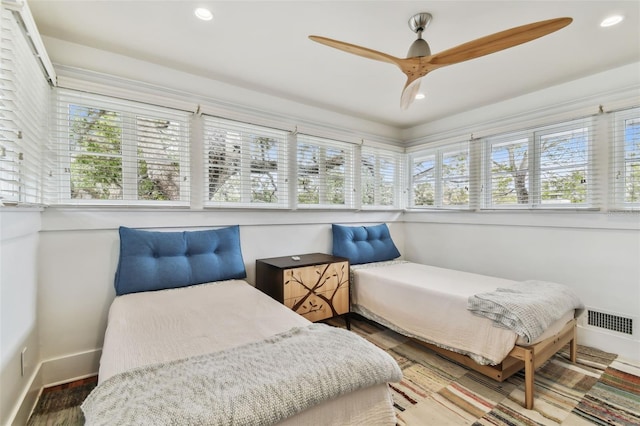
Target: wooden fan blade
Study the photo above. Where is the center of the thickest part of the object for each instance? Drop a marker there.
(496, 42)
(356, 50)
(409, 92)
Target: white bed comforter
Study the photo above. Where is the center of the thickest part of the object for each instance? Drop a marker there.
(162, 326)
(257, 384)
(430, 304)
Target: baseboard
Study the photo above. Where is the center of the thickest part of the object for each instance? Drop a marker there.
(609, 341)
(28, 399)
(54, 372)
(70, 367)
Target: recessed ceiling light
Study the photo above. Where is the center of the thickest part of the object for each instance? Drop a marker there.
(204, 14)
(611, 20)
(419, 96)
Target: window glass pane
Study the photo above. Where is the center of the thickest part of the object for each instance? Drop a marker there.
(245, 164)
(158, 159)
(335, 172)
(368, 171)
(386, 182)
(563, 166)
(455, 178)
(323, 171)
(95, 146)
(380, 172)
(632, 160)
(510, 172)
(424, 180)
(264, 170)
(110, 151)
(223, 165)
(308, 174)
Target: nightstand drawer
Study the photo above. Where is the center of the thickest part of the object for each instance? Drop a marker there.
(316, 307)
(319, 278)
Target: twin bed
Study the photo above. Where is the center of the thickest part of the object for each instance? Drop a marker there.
(188, 341)
(494, 326)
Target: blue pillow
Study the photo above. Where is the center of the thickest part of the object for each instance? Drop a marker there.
(363, 244)
(159, 260)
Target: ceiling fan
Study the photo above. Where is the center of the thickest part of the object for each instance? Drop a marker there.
(419, 61)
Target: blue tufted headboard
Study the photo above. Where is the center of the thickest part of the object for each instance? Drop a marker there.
(363, 244)
(159, 260)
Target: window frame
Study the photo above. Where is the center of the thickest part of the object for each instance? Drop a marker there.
(438, 153)
(323, 144)
(24, 114)
(129, 112)
(379, 155)
(618, 152)
(245, 132)
(535, 169)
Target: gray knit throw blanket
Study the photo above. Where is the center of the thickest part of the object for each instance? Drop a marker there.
(528, 308)
(259, 383)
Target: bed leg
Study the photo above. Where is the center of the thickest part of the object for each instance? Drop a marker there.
(529, 372)
(573, 348)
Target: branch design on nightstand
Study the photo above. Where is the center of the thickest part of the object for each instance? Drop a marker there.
(323, 276)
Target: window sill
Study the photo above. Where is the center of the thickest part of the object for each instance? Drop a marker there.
(585, 219)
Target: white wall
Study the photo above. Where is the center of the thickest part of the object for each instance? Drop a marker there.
(18, 309)
(601, 264)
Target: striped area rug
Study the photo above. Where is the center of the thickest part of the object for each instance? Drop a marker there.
(599, 389)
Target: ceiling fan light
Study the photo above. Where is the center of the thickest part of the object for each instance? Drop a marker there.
(419, 48)
(203, 13)
(419, 96)
(611, 21)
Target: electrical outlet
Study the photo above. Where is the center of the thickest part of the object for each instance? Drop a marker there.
(23, 362)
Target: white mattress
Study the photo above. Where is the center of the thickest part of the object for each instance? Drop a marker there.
(151, 327)
(430, 303)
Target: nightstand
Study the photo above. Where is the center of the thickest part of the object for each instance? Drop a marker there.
(314, 285)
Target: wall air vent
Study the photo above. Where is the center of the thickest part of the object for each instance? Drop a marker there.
(610, 322)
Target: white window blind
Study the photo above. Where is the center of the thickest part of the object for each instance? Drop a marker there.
(245, 164)
(325, 172)
(626, 159)
(381, 177)
(117, 152)
(24, 103)
(440, 177)
(547, 167)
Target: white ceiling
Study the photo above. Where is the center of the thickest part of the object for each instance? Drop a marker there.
(263, 46)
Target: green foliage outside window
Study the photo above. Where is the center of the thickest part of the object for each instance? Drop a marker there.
(96, 158)
(99, 153)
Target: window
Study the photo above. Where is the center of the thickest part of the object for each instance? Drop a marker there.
(112, 151)
(325, 172)
(24, 102)
(440, 177)
(626, 158)
(380, 177)
(245, 165)
(544, 167)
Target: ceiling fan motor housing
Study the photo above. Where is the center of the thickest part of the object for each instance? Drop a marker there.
(419, 48)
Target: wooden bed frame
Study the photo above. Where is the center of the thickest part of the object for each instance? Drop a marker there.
(527, 357)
